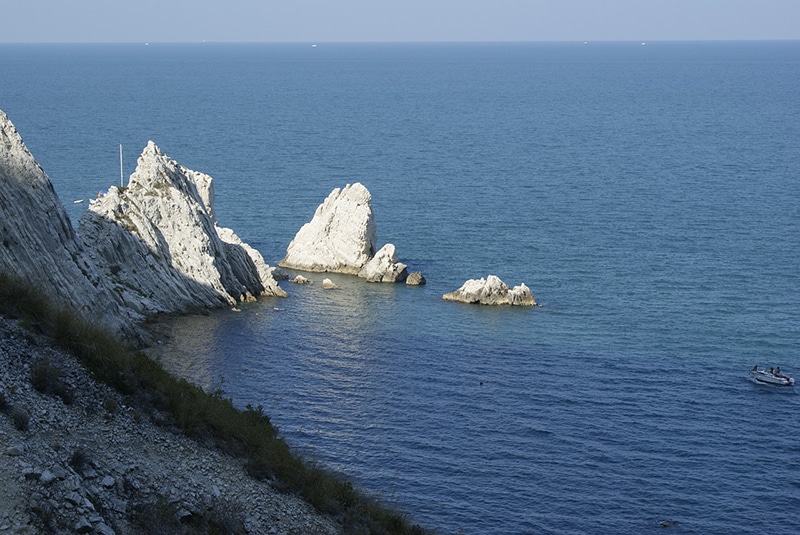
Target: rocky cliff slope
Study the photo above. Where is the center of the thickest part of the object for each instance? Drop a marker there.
(76, 459)
(39, 244)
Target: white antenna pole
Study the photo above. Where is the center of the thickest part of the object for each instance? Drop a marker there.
(120, 166)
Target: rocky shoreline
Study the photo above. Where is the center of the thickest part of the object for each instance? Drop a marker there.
(76, 459)
(80, 461)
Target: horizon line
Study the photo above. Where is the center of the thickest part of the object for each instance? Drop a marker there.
(454, 41)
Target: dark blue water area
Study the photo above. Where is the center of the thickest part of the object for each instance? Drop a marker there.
(648, 195)
(508, 434)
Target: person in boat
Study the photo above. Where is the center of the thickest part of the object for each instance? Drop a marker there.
(778, 370)
(755, 368)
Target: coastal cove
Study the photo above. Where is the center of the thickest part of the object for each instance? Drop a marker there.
(646, 195)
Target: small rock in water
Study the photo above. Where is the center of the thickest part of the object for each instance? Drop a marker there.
(329, 285)
(491, 291)
(415, 279)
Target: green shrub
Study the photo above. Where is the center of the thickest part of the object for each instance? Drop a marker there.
(46, 378)
(160, 517)
(110, 405)
(156, 518)
(21, 418)
(225, 517)
(80, 459)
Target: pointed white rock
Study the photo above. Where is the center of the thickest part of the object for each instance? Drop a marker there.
(339, 238)
(158, 241)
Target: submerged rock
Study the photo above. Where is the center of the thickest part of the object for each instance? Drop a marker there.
(491, 291)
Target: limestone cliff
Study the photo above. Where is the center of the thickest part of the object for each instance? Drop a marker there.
(158, 243)
(491, 291)
(39, 244)
(151, 247)
(341, 238)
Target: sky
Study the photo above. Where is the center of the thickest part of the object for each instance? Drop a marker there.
(88, 21)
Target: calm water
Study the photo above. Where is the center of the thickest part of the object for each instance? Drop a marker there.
(649, 196)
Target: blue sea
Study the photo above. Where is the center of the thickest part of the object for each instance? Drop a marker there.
(649, 195)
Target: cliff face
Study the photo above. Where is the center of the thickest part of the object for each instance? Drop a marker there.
(37, 241)
(158, 243)
(152, 247)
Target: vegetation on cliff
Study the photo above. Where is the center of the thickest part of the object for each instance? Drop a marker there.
(210, 418)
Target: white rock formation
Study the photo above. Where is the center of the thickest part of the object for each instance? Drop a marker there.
(158, 243)
(38, 243)
(491, 291)
(267, 274)
(341, 238)
(384, 267)
(328, 284)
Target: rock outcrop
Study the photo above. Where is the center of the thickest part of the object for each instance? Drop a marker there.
(39, 244)
(384, 267)
(339, 238)
(342, 237)
(151, 247)
(491, 291)
(415, 279)
(328, 284)
(158, 242)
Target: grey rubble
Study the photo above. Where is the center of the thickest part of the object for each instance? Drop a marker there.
(130, 460)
